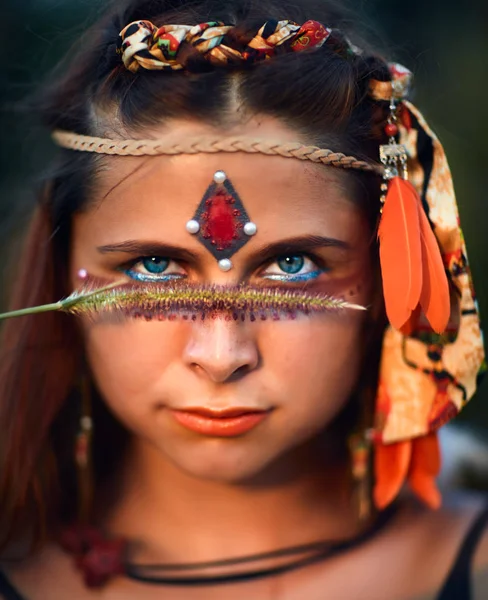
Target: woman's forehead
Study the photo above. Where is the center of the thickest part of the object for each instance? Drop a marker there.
(274, 191)
(272, 170)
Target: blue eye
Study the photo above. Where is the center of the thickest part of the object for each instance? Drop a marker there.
(291, 264)
(155, 268)
(155, 264)
(293, 268)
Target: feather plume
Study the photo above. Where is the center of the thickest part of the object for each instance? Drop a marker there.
(400, 251)
(434, 297)
(425, 465)
(391, 463)
(417, 461)
(412, 322)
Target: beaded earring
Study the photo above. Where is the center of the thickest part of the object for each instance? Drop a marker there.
(360, 447)
(83, 452)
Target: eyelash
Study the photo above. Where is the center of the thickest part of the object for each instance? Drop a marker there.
(128, 269)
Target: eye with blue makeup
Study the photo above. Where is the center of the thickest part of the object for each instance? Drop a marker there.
(154, 268)
(289, 268)
(294, 268)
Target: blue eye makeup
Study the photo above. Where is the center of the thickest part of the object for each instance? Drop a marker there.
(154, 268)
(293, 268)
(290, 268)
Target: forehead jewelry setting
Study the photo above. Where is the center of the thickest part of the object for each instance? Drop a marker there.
(221, 222)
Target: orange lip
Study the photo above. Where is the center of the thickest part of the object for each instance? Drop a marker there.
(225, 423)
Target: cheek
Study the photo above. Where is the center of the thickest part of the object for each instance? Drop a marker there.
(128, 361)
(315, 365)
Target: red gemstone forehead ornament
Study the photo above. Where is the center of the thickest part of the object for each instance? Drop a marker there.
(221, 222)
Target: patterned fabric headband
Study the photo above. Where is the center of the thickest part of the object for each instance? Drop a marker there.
(143, 45)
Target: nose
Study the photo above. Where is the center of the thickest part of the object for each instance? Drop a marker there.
(221, 350)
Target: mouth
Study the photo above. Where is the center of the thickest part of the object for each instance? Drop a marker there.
(230, 422)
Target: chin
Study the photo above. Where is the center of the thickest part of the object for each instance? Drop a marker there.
(220, 462)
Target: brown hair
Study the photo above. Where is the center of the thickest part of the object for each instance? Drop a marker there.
(322, 94)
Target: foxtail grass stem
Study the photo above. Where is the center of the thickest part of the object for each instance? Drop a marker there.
(61, 305)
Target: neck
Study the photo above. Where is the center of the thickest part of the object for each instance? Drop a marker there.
(175, 517)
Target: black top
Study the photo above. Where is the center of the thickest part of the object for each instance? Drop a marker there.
(7, 590)
(456, 586)
(458, 582)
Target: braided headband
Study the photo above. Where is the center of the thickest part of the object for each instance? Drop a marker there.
(210, 145)
(143, 45)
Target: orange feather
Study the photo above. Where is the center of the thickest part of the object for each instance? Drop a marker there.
(424, 468)
(412, 322)
(400, 251)
(434, 298)
(391, 463)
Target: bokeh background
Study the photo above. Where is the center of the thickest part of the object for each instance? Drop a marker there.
(444, 43)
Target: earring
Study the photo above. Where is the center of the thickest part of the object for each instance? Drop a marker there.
(360, 451)
(83, 452)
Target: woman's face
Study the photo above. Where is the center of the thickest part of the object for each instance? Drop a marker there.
(289, 378)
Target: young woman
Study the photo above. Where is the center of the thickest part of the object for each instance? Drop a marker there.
(274, 316)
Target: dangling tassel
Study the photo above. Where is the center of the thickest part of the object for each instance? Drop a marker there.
(400, 251)
(360, 450)
(412, 270)
(412, 322)
(416, 461)
(411, 263)
(391, 463)
(83, 454)
(424, 468)
(434, 298)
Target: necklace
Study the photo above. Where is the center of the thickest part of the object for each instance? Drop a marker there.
(317, 551)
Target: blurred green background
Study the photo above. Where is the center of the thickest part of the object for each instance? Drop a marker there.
(444, 43)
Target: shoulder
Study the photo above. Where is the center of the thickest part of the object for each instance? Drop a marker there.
(464, 516)
(34, 577)
(480, 564)
(451, 525)
(450, 544)
(410, 558)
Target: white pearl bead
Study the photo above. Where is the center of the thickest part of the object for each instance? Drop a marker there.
(86, 423)
(225, 264)
(193, 226)
(250, 228)
(220, 177)
(82, 274)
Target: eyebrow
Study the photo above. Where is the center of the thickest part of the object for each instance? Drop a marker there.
(300, 244)
(295, 244)
(148, 249)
